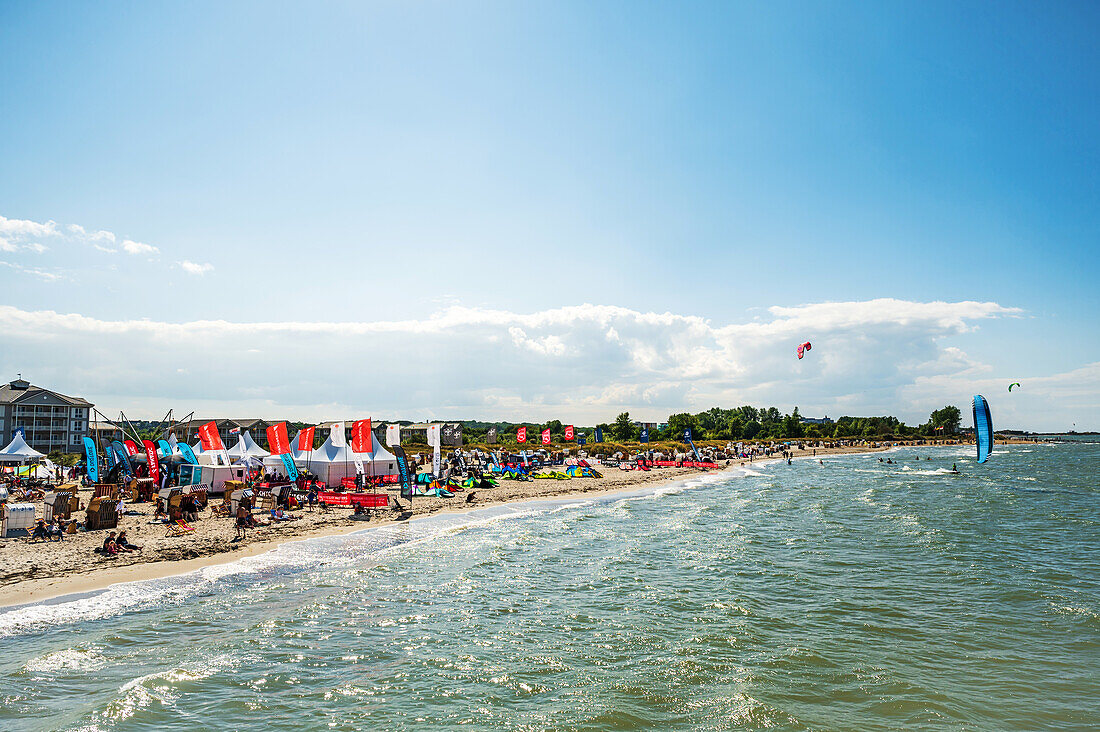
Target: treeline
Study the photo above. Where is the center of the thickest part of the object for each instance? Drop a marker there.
(740, 423)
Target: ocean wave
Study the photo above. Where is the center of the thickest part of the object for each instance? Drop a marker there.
(69, 659)
(351, 548)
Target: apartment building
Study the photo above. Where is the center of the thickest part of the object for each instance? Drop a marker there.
(49, 420)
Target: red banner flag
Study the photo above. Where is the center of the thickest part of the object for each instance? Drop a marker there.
(521, 434)
(569, 432)
(305, 439)
(131, 447)
(546, 436)
(154, 463)
(361, 440)
(278, 442)
(209, 437)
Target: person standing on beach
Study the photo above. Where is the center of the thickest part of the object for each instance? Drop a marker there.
(242, 521)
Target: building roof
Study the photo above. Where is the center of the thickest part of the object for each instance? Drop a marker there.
(104, 427)
(20, 390)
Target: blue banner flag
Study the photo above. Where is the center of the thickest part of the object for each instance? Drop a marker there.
(404, 471)
(19, 432)
(598, 436)
(291, 469)
(123, 457)
(92, 459)
(187, 452)
(580, 440)
(164, 448)
(687, 439)
(645, 434)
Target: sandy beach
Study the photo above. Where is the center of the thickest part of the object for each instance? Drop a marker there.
(32, 572)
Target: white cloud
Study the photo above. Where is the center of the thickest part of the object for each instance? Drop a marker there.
(41, 274)
(137, 247)
(195, 268)
(23, 234)
(583, 363)
(24, 229)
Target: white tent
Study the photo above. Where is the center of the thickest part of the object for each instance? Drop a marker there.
(331, 463)
(18, 451)
(247, 447)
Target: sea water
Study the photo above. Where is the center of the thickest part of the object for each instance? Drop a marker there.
(850, 595)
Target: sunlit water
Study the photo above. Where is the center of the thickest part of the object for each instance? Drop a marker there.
(854, 595)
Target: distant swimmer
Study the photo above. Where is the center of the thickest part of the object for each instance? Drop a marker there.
(819, 462)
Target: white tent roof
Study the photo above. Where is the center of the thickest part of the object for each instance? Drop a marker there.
(247, 447)
(18, 451)
(330, 453)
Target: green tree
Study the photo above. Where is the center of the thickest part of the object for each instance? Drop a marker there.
(623, 429)
(792, 425)
(948, 418)
(677, 423)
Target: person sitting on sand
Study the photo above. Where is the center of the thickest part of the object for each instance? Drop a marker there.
(124, 543)
(188, 508)
(57, 529)
(358, 510)
(110, 545)
(40, 531)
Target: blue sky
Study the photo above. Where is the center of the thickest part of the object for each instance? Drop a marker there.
(395, 163)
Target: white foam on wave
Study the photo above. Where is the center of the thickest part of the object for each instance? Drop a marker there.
(304, 553)
(69, 659)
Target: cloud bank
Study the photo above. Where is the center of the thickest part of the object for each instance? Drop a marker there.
(581, 363)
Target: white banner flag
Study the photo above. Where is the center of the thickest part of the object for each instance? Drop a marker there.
(358, 462)
(436, 461)
(337, 434)
(393, 435)
(433, 436)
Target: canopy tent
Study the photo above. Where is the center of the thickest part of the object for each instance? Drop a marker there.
(331, 463)
(18, 451)
(247, 447)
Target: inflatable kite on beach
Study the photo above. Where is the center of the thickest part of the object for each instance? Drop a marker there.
(1015, 383)
(983, 428)
(803, 348)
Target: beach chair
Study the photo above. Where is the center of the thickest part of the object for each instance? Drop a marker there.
(179, 528)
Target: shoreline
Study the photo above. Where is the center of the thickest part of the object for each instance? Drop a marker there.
(96, 574)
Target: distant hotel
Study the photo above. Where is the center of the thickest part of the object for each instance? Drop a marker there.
(817, 420)
(50, 421)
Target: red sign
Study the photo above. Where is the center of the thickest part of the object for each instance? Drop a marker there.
(209, 437)
(361, 440)
(154, 463)
(521, 434)
(277, 440)
(568, 432)
(546, 436)
(305, 439)
(131, 447)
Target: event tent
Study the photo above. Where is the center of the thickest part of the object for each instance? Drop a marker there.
(331, 463)
(247, 447)
(18, 451)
